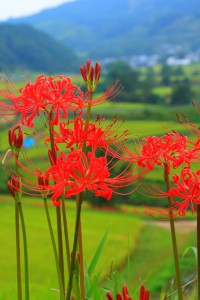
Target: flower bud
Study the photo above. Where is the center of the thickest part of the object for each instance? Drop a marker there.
(91, 75)
(13, 185)
(15, 138)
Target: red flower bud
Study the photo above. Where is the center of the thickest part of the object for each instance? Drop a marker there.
(83, 72)
(109, 296)
(144, 294)
(10, 187)
(97, 71)
(91, 75)
(119, 296)
(88, 64)
(15, 137)
(13, 185)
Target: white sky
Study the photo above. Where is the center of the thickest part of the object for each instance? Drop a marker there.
(19, 8)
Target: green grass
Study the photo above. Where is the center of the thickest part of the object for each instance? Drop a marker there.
(146, 244)
(42, 267)
(152, 261)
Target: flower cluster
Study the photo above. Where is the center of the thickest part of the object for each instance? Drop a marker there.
(172, 148)
(171, 151)
(55, 96)
(144, 294)
(187, 189)
(87, 163)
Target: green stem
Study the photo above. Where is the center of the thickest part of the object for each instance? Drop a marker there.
(65, 226)
(173, 235)
(73, 259)
(60, 245)
(17, 232)
(198, 249)
(58, 210)
(26, 273)
(81, 262)
(54, 249)
(80, 239)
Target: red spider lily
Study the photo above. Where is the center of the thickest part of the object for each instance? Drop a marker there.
(51, 94)
(187, 188)
(144, 294)
(91, 75)
(171, 148)
(94, 135)
(15, 138)
(75, 172)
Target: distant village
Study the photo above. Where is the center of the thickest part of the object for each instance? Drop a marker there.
(172, 56)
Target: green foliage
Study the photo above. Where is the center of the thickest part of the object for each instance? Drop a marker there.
(42, 271)
(25, 48)
(181, 92)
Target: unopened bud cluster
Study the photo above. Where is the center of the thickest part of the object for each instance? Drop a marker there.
(15, 138)
(144, 294)
(91, 75)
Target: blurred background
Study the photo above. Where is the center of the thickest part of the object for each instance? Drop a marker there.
(153, 48)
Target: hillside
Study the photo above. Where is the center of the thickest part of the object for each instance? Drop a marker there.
(109, 28)
(25, 48)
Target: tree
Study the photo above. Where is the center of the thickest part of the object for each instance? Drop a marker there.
(129, 78)
(181, 92)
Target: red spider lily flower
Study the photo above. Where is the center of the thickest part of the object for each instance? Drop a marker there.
(144, 294)
(75, 172)
(187, 188)
(171, 148)
(15, 138)
(91, 75)
(78, 135)
(94, 135)
(53, 95)
(50, 94)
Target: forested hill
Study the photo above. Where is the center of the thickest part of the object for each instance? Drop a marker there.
(25, 48)
(122, 27)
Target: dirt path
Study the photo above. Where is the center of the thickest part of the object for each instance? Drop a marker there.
(181, 226)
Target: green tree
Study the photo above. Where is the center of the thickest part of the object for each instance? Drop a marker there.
(129, 78)
(181, 92)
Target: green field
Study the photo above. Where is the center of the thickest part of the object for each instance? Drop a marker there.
(127, 232)
(122, 230)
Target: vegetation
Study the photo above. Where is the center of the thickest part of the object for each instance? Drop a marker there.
(157, 85)
(125, 232)
(43, 276)
(25, 48)
(151, 26)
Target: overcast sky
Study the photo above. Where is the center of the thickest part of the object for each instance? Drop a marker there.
(19, 8)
